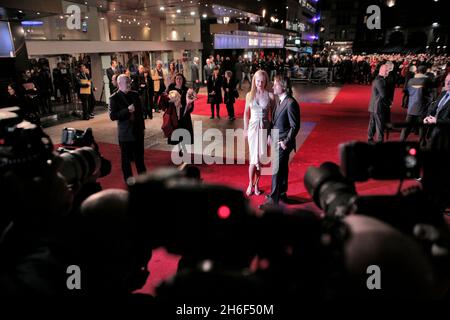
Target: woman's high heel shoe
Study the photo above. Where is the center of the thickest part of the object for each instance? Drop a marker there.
(249, 191)
(257, 191)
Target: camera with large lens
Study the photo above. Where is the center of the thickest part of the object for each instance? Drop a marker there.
(82, 160)
(417, 211)
(28, 152)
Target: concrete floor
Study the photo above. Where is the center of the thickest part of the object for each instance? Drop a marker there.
(105, 130)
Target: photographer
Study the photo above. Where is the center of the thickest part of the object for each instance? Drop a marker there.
(35, 199)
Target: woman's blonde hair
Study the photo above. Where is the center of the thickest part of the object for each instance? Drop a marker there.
(252, 92)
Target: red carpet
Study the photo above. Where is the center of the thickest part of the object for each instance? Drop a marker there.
(203, 109)
(343, 120)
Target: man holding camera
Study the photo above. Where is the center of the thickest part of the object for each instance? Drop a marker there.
(125, 107)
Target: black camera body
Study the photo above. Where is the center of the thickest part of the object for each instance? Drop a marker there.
(76, 138)
(28, 152)
(412, 211)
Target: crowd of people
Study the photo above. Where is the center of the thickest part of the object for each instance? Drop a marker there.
(425, 85)
(39, 90)
(363, 69)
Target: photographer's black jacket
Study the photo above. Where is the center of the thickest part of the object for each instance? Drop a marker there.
(130, 126)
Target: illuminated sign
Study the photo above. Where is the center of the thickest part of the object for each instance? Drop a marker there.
(32, 23)
(247, 41)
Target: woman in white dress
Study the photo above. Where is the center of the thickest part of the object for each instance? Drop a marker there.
(257, 116)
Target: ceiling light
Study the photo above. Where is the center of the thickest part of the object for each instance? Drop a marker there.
(161, 8)
(178, 11)
(204, 15)
(390, 3)
(192, 13)
(38, 13)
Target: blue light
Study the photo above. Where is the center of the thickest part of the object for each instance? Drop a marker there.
(32, 23)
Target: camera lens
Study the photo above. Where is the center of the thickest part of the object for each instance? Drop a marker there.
(80, 165)
(330, 190)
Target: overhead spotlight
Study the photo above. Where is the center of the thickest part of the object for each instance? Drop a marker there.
(20, 11)
(38, 13)
(204, 15)
(435, 25)
(178, 11)
(86, 17)
(192, 13)
(162, 8)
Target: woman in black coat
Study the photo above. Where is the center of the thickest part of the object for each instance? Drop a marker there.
(215, 92)
(230, 93)
(184, 121)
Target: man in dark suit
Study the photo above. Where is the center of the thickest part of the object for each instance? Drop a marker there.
(195, 75)
(286, 119)
(125, 107)
(110, 72)
(440, 111)
(418, 91)
(379, 102)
